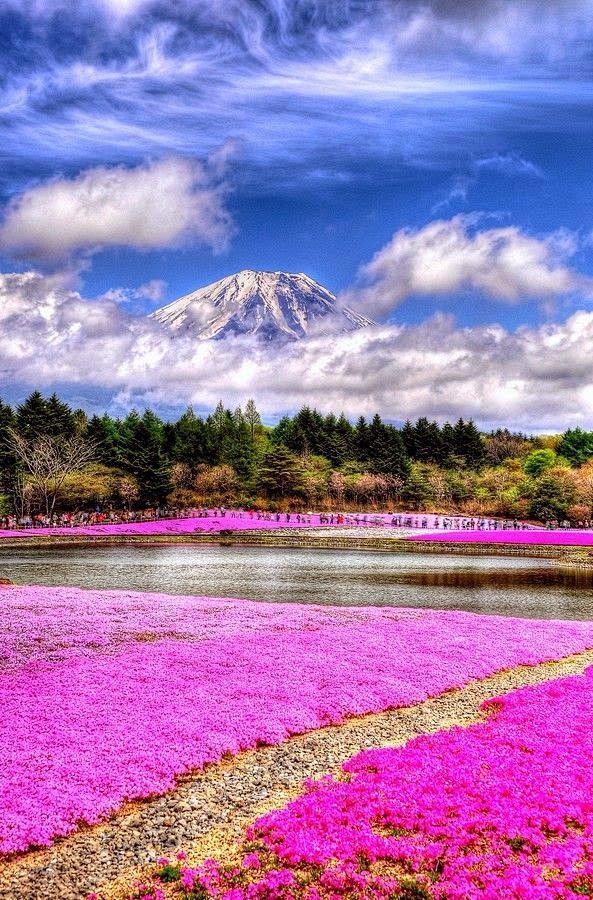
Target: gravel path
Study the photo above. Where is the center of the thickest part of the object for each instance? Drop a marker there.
(210, 809)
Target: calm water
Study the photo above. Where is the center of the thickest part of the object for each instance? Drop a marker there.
(517, 587)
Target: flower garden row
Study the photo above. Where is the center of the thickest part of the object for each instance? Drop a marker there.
(108, 696)
(233, 520)
(500, 810)
(186, 525)
(559, 537)
(423, 524)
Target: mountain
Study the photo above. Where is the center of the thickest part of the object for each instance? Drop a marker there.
(272, 305)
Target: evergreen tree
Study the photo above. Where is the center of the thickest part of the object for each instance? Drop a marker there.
(307, 432)
(468, 443)
(192, 441)
(142, 455)
(235, 446)
(253, 419)
(8, 460)
(576, 446)
(31, 417)
(427, 441)
(387, 454)
(282, 433)
(449, 445)
(280, 472)
(408, 436)
(103, 433)
(361, 439)
(61, 421)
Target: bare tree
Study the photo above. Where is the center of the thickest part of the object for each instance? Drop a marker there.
(50, 461)
(24, 494)
(128, 490)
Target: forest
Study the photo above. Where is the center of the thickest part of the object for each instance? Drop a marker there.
(54, 459)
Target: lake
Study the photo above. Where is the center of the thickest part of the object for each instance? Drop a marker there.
(531, 588)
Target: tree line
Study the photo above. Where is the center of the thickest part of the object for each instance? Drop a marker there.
(55, 458)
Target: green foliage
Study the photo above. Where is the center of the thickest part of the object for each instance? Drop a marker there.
(38, 416)
(576, 446)
(169, 873)
(310, 458)
(418, 491)
(538, 461)
(141, 453)
(280, 472)
(410, 889)
(553, 492)
(96, 484)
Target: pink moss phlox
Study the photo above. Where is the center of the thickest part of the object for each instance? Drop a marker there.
(213, 523)
(124, 691)
(502, 809)
(534, 537)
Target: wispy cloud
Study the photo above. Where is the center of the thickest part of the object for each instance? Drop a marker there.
(510, 164)
(153, 290)
(286, 76)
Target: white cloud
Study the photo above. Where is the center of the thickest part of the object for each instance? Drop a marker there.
(535, 378)
(449, 255)
(153, 290)
(154, 205)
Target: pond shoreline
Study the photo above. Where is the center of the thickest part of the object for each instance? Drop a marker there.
(565, 555)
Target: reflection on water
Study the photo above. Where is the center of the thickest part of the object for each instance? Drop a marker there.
(548, 576)
(506, 586)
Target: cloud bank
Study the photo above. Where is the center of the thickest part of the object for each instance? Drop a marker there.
(150, 206)
(535, 378)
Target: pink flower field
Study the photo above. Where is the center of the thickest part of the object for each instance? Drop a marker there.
(108, 696)
(560, 537)
(190, 525)
(500, 810)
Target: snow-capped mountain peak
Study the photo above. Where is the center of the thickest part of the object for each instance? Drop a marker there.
(271, 305)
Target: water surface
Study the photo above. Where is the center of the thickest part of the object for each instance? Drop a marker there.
(496, 585)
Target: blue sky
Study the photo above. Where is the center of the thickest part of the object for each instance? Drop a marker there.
(149, 148)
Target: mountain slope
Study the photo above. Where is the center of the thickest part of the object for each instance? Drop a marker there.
(272, 305)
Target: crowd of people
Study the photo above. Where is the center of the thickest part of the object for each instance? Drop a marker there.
(96, 517)
(453, 523)
(396, 520)
(460, 523)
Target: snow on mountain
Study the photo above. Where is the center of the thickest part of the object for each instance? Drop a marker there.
(272, 305)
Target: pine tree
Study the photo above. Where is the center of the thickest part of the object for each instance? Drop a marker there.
(361, 441)
(31, 417)
(576, 446)
(103, 433)
(61, 422)
(468, 443)
(7, 456)
(192, 441)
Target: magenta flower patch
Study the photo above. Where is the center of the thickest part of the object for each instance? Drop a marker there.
(502, 809)
(108, 696)
(559, 537)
